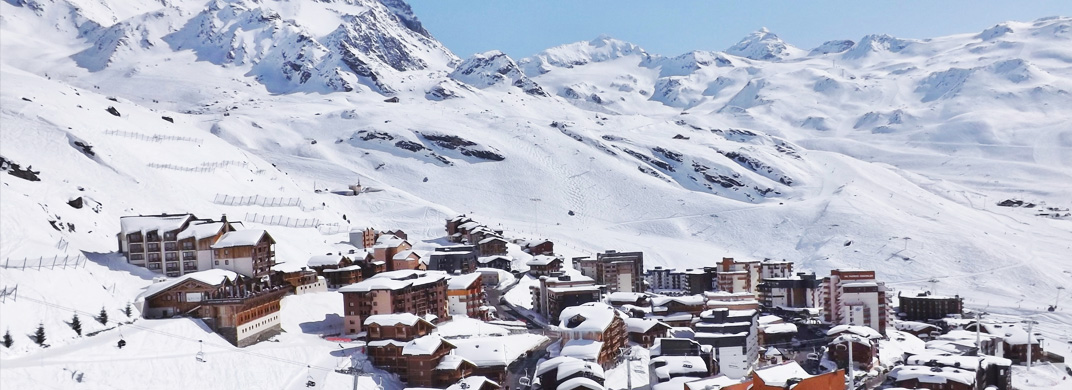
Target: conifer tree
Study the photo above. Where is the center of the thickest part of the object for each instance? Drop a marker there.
(103, 317)
(127, 310)
(76, 324)
(39, 335)
(7, 339)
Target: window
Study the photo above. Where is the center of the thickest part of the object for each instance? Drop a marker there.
(217, 262)
(226, 262)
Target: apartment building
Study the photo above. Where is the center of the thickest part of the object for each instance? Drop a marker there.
(854, 297)
(423, 293)
(557, 292)
(619, 271)
(733, 336)
(797, 291)
(178, 244)
(738, 275)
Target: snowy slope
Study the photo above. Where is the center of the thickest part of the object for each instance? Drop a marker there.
(885, 153)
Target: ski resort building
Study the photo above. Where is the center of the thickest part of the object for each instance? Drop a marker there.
(853, 297)
(551, 373)
(453, 259)
(619, 271)
(555, 293)
(925, 306)
(797, 291)
(689, 281)
(465, 296)
(542, 265)
(243, 310)
(592, 332)
(736, 276)
(178, 244)
(733, 336)
(385, 249)
(423, 293)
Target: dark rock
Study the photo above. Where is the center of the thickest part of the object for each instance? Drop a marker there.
(393, 99)
(113, 111)
(679, 136)
(76, 202)
(168, 118)
(86, 149)
(14, 169)
(26, 99)
(410, 146)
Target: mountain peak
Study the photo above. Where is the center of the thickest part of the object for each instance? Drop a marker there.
(602, 48)
(762, 45)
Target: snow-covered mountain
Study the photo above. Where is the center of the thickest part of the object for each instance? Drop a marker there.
(880, 152)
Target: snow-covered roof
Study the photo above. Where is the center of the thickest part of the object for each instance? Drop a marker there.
(212, 277)
(490, 239)
(451, 362)
(132, 224)
(625, 296)
(679, 365)
(926, 374)
(355, 267)
(248, 237)
(1013, 333)
(541, 260)
(778, 375)
(322, 260)
(712, 383)
(488, 259)
(688, 300)
(641, 325)
(408, 319)
(462, 282)
(394, 280)
(381, 343)
(473, 383)
(469, 225)
(552, 363)
(405, 255)
(388, 241)
(913, 326)
(579, 382)
(952, 360)
(200, 230)
(588, 317)
(426, 345)
(484, 352)
(779, 328)
(574, 365)
(677, 383)
(858, 284)
(850, 337)
(460, 326)
(855, 329)
(582, 349)
(769, 319)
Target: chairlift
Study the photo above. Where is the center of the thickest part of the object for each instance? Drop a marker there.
(309, 382)
(524, 381)
(201, 351)
(122, 343)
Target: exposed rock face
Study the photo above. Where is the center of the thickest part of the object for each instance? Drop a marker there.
(494, 68)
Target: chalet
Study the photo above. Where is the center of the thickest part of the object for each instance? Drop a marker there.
(419, 292)
(991, 372)
(502, 262)
(319, 263)
(919, 329)
(386, 247)
(459, 370)
(479, 233)
(542, 265)
(490, 246)
(1014, 339)
(248, 252)
(465, 296)
(423, 356)
(388, 334)
(592, 332)
(864, 350)
(618, 299)
(451, 259)
(552, 372)
(454, 223)
(935, 378)
(404, 260)
(171, 244)
(241, 309)
(338, 277)
(781, 333)
(303, 281)
(488, 354)
(537, 247)
(368, 237)
(645, 331)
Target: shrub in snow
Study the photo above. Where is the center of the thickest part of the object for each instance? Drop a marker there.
(76, 324)
(7, 339)
(39, 335)
(103, 317)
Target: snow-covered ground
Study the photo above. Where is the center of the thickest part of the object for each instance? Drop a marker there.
(883, 153)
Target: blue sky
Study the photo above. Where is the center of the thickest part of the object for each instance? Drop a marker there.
(522, 28)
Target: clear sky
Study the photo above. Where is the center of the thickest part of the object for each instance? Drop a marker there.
(668, 27)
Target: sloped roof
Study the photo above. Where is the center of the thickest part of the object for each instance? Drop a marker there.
(593, 316)
(213, 277)
(642, 325)
(582, 349)
(461, 282)
(679, 366)
(408, 319)
(778, 375)
(855, 329)
(241, 238)
(148, 223)
(200, 230)
(426, 345)
(926, 374)
(322, 260)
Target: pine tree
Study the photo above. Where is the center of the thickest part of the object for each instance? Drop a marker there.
(103, 317)
(7, 339)
(76, 324)
(39, 335)
(127, 310)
